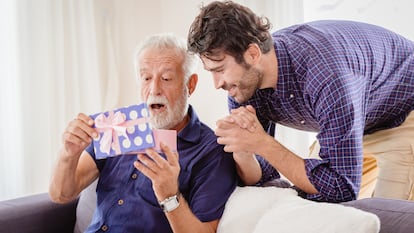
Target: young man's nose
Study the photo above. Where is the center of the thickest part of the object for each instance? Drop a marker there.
(218, 81)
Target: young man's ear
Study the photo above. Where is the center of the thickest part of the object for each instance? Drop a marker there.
(192, 83)
(252, 54)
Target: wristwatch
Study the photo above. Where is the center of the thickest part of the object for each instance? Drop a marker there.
(170, 203)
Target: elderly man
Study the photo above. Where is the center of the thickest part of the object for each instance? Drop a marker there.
(148, 192)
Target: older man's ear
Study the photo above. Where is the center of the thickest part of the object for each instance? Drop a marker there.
(192, 83)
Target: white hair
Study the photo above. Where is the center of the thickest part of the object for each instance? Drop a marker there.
(169, 41)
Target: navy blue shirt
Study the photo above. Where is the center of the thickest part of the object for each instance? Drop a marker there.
(126, 201)
(343, 80)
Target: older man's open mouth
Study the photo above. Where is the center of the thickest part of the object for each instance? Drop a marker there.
(157, 107)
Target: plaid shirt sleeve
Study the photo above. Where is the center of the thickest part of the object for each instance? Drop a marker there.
(268, 171)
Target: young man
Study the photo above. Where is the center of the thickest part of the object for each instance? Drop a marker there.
(352, 83)
(193, 185)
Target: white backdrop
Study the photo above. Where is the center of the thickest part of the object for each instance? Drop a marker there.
(61, 57)
(395, 15)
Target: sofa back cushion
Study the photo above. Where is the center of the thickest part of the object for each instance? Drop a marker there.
(86, 207)
(269, 209)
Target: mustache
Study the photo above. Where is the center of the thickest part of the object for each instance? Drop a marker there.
(157, 100)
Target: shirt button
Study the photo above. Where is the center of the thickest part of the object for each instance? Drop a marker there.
(120, 202)
(134, 176)
(302, 122)
(291, 96)
(104, 228)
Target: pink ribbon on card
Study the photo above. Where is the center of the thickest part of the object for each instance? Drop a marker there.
(111, 126)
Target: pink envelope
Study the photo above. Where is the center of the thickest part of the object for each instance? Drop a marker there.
(168, 137)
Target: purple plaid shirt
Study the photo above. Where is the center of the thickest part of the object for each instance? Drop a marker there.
(342, 80)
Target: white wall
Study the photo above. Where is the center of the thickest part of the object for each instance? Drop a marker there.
(395, 15)
(65, 47)
(129, 21)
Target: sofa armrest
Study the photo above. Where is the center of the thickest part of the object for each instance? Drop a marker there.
(37, 214)
(396, 216)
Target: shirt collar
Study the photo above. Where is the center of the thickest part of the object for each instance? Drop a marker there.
(191, 132)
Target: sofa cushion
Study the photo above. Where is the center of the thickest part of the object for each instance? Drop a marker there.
(265, 209)
(396, 216)
(86, 207)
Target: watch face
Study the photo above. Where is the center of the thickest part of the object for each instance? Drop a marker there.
(170, 203)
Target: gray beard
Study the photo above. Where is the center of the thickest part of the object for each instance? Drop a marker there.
(174, 114)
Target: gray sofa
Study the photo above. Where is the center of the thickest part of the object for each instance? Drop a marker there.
(37, 214)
